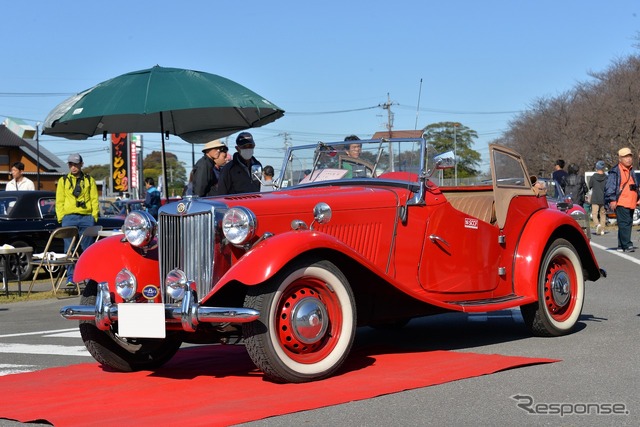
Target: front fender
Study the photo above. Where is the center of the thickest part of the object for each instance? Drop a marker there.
(270, 255)
(544, 227)
(106, 257)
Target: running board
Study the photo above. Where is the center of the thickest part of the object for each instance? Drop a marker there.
(472, 303)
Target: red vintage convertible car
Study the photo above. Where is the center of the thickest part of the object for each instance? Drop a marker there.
(291, 273)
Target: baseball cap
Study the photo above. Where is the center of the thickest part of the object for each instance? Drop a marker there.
(74, 158)
(599, 165)
(244, 138)
(626, 151)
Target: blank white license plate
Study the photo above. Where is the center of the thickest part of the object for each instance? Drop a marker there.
(141, 321)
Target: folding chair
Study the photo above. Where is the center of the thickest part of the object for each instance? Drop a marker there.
(90, 232)
(93, 232)
(49, 259)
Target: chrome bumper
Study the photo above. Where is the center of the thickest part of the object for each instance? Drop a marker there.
(189, 313)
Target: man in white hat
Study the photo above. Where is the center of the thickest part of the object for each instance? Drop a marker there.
(621, 193)
(76, 204)
(206, 171)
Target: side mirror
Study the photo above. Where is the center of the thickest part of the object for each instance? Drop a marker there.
(256, 171)
(322, 214)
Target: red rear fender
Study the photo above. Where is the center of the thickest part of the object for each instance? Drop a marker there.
(537, 234)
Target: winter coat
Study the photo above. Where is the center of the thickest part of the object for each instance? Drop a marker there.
(576, 187)
(597, 183)
(612, 188)
(236, 177)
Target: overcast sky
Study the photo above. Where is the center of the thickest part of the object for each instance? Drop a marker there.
(324, 63)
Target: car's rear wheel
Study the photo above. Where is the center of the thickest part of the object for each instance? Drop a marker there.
(124, 354)
(560, 292)
(307, 322)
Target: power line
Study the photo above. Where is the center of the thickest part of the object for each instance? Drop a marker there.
(289, 113)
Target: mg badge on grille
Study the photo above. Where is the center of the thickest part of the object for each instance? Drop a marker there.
(182, 208)
(150, 292)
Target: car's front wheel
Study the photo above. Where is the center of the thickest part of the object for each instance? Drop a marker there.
(307, 322)
(560, 292)
(124, 354)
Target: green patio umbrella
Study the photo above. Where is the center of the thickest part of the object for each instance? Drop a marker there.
(194, 105)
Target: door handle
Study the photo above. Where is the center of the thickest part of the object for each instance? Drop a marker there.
(437, 239)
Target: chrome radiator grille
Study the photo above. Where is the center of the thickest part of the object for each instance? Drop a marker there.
(187, 242)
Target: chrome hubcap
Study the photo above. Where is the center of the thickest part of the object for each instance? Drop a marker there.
(560, 288)
(309, 320)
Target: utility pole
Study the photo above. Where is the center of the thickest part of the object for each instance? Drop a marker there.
(287, 144)
(38, 154)
(455, 153)
(389, 126)
(287, 140)
(387, 106)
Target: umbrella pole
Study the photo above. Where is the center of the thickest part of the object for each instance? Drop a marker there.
(165, 188)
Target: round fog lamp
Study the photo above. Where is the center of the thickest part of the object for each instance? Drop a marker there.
(126, 284)
(174, 284)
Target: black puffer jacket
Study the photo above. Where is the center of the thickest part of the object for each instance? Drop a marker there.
(576, 187)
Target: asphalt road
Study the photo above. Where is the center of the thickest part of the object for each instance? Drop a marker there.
(599, 363)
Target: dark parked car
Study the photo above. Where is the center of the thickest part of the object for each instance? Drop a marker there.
(27, 219)
(122, 208)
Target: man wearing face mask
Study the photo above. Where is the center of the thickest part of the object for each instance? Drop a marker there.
(236, 176)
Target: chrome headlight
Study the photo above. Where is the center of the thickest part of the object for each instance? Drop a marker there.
(126, 284)
(239, 225)
(174, 284)
(579, 216)
(139, 228)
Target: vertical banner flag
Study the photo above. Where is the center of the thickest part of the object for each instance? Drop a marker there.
(136, 141)
(120, 162)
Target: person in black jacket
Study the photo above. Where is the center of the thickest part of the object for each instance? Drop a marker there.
(597, 183)
(206, 171)
(574, 185)
(559, 174)
(237, 176)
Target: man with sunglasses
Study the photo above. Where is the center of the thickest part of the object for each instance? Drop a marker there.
(206, 171)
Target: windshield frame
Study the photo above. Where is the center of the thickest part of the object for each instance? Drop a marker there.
(379, 163)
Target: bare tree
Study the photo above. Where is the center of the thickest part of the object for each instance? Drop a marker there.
(588, 123)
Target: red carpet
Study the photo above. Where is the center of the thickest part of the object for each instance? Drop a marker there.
(218, 385)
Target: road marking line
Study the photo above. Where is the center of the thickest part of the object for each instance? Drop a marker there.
(58, 350)
(24, 334)
(8, 369)
(71, 334)
(614, 252)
